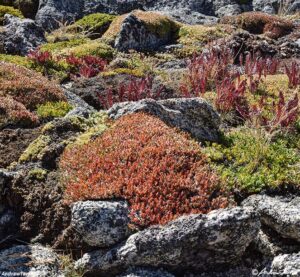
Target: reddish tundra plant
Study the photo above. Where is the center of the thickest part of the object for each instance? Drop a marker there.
(86, 66)
(13, 112)
(135, 90)
(158, 170)
(27, 86)
(235, 90)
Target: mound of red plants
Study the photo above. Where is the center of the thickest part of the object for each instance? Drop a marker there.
(158, 170)
(261, 23)
(13, 112)
(27, 87)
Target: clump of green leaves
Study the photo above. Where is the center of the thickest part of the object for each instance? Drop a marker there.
(53, 109)
(252, 161)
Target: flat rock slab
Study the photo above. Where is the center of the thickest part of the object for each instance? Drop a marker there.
(29, 261)
(190, 242)
(193, 115)
(279, 213)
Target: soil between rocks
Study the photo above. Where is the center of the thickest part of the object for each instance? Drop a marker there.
(13, 143)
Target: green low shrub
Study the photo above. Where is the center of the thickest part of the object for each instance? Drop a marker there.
(249, 161)
(53, 109)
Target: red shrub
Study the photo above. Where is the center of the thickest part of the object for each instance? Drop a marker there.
(283, 113)
(13, 112)
(87, 66)
(27, 87)
(135, 90)
(293, 73)
(158, 170)
(230, 96)
(40, 57)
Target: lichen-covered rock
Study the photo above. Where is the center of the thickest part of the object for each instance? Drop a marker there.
(21, 35)
(146, 272)
(193, 115)
(29, 261)
(136, 34)
(101, 223)
(52, 12)
(283, 265)
(194, 242)
(280, 214)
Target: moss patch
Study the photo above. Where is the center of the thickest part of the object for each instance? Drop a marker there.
(34, 149)
(18, 60)
(9, 10)
(251, 162)
(53, 109)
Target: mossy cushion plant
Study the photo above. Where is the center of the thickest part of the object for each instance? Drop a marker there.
(251, 162)
(79, 48)
(94, 24)
(8, 10)
(53, 109)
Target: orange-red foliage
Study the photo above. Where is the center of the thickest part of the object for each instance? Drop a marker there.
(27, 87)
(13, 112)
(158, 169)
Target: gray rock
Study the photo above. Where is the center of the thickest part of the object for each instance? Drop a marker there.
(134, 34)
(267, 6)
(21, 35)
(229, 10)
(283, 265)
(80, 107)
(52, 13)
(193, 115)
(8, 224)
(146, 272)
(294, 7)
(278, 213)
(101, 223)
(190, 17)
(29, 261)
(194, 242)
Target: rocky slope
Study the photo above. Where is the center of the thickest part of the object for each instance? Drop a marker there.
(149, 138)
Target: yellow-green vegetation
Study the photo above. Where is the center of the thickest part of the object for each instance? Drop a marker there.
(159, 24)
(94, 48)
(68, 267)
(53, 109)
(118, 71)
(90, 26)
(95, 126)
(8, 10)
(272, 84)
(97, 22)
(251, 161)
(57, 47)
(194, 37)
(34, 149)
(18, 60)
(38, 174)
